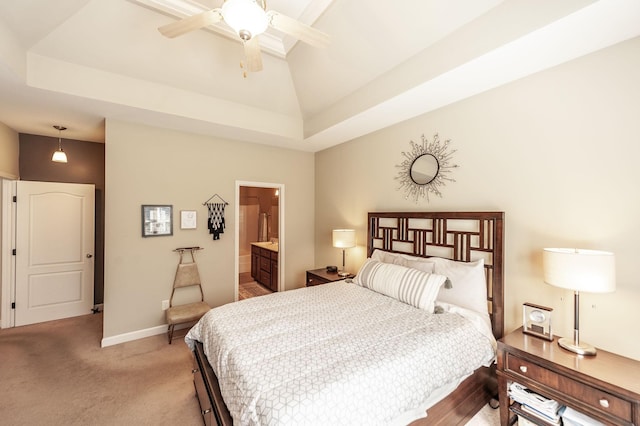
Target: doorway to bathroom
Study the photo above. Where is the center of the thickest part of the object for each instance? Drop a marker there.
(259, 239)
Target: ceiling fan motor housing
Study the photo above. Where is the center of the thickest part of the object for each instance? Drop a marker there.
(247, 18)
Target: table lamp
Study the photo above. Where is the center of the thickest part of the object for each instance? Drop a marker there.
(579, 270)
(344, 238)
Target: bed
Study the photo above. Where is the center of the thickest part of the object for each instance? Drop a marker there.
(360, 352)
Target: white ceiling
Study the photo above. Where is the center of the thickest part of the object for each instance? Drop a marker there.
(77, 62)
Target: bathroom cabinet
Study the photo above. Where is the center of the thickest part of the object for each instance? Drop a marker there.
(264, 266)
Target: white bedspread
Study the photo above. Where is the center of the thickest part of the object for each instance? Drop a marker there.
(335, 354)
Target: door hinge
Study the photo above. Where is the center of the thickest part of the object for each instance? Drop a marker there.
(13, 305)
(15, 198)
(13, 252)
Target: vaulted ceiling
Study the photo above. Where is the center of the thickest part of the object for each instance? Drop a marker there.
(77, 62)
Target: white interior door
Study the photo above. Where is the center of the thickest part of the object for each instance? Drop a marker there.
(54, 251)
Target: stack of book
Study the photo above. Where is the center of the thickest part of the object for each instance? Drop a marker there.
(536, 405)
(571, 417)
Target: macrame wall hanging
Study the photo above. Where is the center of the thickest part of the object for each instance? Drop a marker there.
(215, 216)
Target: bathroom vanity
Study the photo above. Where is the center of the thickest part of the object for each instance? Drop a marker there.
(264, 264)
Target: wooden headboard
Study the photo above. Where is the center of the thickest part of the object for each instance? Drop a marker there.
(461, 236)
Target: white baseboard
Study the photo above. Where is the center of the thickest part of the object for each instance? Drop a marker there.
(138, 334)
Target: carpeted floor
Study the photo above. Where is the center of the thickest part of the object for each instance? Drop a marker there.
(486, 417)
(55, 373)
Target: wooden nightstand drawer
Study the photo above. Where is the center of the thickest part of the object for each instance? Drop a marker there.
(315, 280)
(524, 368)
(597, 399)
(321, 276)
(594, 398)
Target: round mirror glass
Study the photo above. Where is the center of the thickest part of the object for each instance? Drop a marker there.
(424, 169)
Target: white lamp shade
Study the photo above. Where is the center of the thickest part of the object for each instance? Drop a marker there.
(245, 15)
(59, 156)
(591, 271)
(344, 238)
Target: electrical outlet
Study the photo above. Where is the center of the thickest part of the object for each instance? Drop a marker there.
(165, 305)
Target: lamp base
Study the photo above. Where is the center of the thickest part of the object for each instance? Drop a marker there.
(343, 274)
(580, 348)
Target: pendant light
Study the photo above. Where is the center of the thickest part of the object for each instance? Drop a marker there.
(59, 156)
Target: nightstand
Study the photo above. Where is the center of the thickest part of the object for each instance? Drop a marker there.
(605, 386)
(321, 276)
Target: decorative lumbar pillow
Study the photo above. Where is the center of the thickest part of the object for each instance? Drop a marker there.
(408, 285)
(469, 283)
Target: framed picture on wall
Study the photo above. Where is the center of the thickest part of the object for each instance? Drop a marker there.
(157, 220)
(188, 219)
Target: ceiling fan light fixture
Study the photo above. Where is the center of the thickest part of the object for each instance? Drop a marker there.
(247, 18)
(59, 156)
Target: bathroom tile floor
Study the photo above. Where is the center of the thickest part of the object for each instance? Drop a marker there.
(250, 288)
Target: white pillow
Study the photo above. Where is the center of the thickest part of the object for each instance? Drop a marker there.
(381, 256)
(419, 263)
(408, 285)
(469, 283)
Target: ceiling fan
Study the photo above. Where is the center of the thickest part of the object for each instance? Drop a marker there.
(248, 19)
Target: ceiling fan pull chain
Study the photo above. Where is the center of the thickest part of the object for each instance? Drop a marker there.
(244, 72)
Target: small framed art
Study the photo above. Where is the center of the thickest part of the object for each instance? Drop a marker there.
(536, 320)
(188, 219)
(157, 220)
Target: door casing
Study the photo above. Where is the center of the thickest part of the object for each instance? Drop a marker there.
(281, 230)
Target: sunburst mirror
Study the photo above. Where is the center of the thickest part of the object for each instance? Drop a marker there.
(426, 168)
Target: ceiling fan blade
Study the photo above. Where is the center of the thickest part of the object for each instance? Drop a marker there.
(253, 55)
(297, 29)
(191, 23)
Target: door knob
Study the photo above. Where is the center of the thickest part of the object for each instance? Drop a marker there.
(89, 255)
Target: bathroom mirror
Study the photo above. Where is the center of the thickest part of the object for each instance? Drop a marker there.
(426, 168)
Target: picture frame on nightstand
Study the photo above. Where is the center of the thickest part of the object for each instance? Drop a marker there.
(536, 321)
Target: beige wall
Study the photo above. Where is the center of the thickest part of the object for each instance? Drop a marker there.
(558, 151)
(147, 165)
(9, 152)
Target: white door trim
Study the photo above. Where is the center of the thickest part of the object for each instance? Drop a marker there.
(7, 315)
(281, 228)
